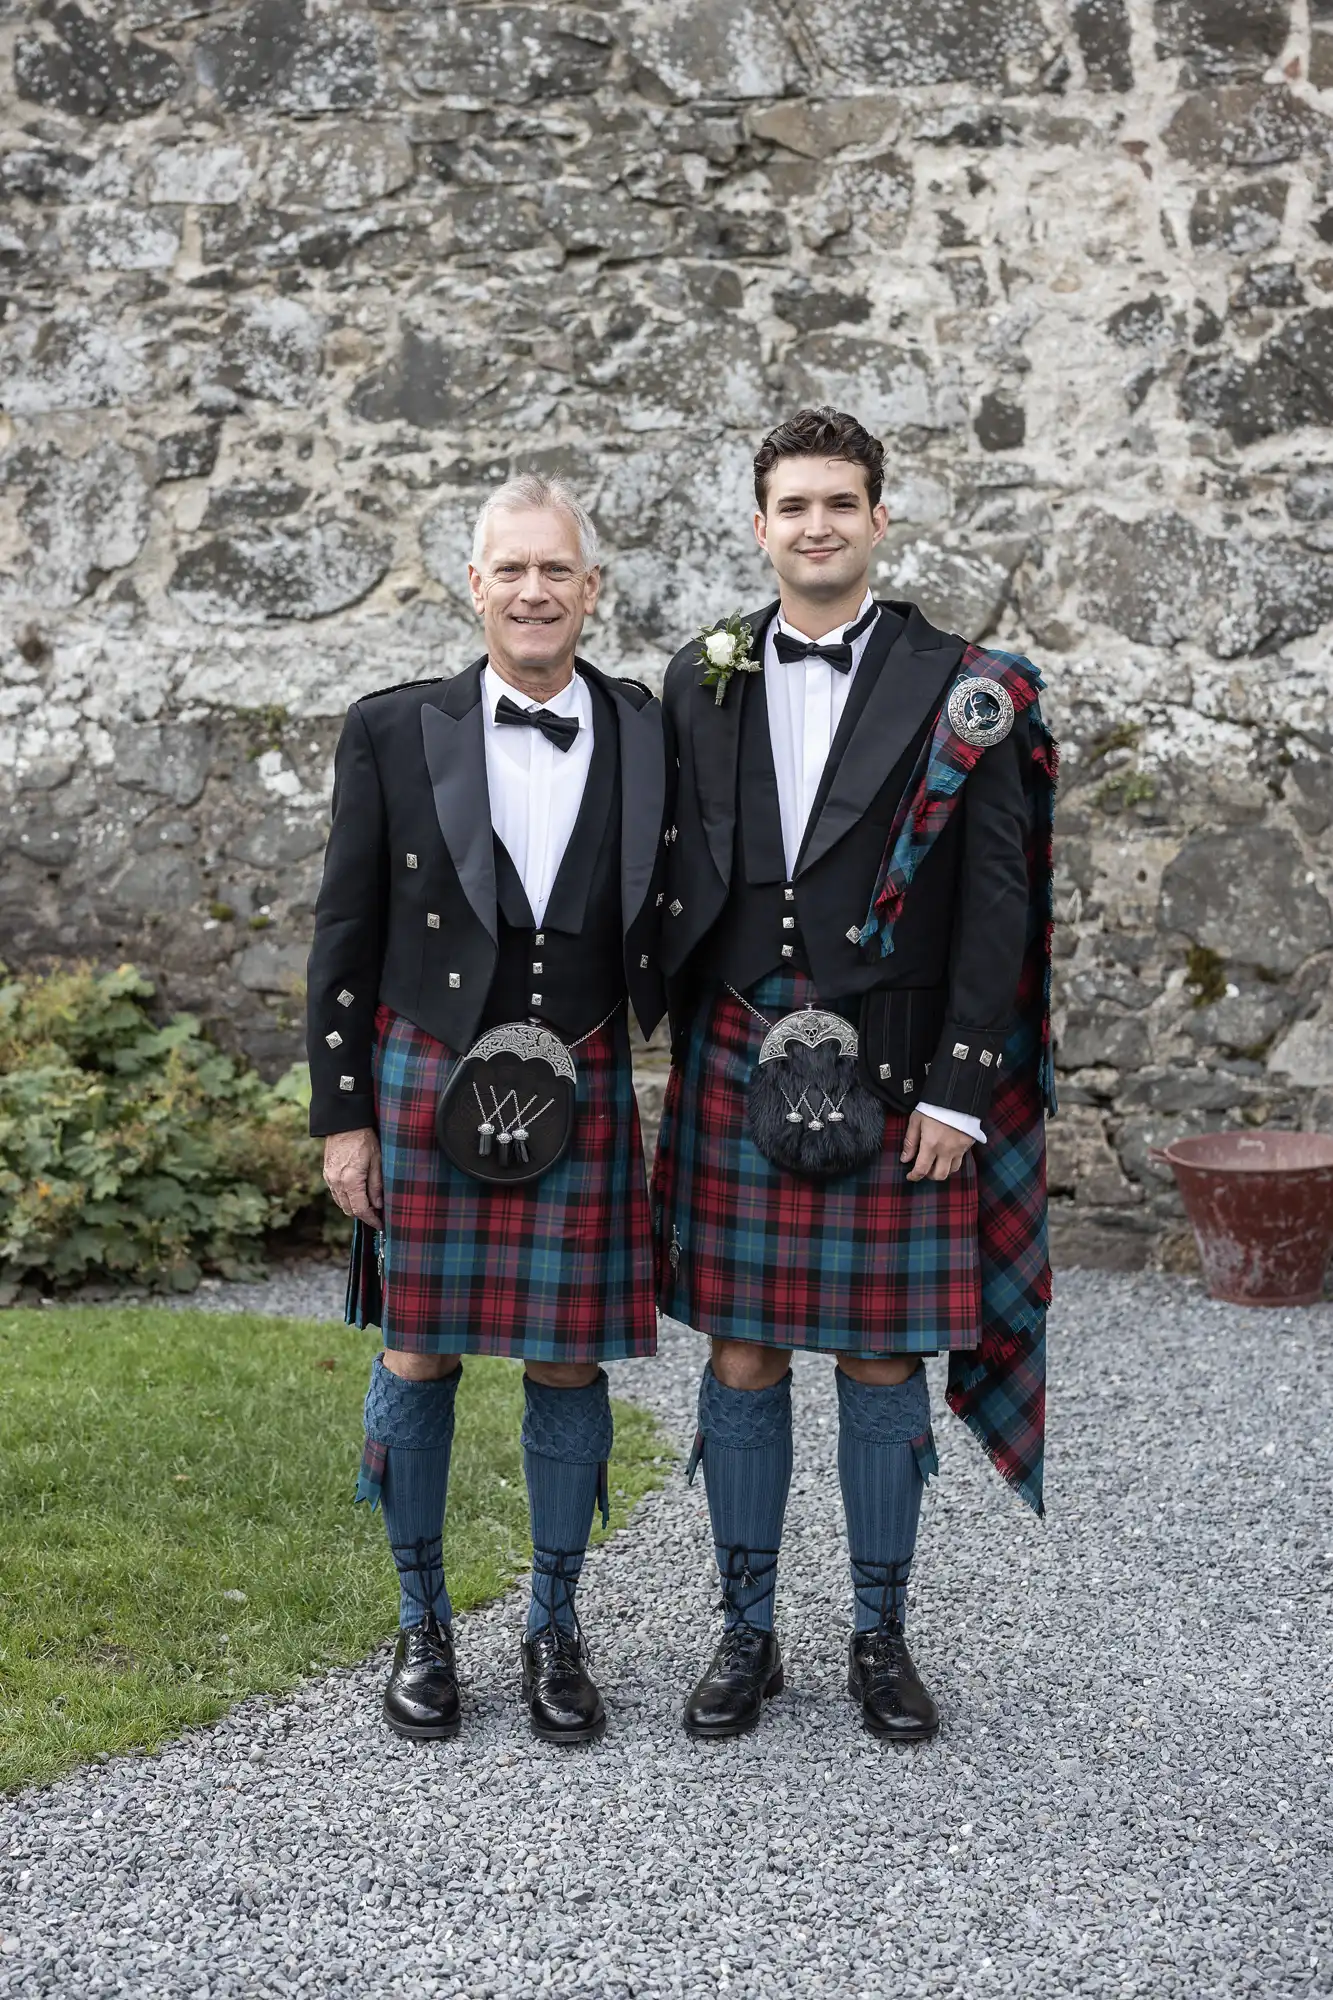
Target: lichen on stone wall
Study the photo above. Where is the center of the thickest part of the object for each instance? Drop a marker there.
(289, 284)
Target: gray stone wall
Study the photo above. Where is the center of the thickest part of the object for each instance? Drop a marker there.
(286, 284)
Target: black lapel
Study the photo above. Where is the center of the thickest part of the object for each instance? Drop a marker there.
(715, 733)
(642, 799)
(911, 662)
(762, 853)
(568, 901)
(453, 737)
(510, 893)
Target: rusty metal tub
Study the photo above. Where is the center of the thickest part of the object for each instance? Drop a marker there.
(1261, 1207)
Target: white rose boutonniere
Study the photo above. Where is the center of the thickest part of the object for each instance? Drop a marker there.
(724, 651)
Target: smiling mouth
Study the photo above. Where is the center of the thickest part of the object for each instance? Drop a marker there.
(533, 621)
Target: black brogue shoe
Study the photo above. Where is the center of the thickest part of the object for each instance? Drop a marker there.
(883, 1681)
(562, 1699)
(744, 1673)
(421, 1700)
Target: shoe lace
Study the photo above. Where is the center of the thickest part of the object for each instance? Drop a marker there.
(564, 1636)
(429, 1641)
(881, 1587)
(416, 1562)
(745, 1570)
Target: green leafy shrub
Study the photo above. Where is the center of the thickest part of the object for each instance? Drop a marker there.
(136, 1149)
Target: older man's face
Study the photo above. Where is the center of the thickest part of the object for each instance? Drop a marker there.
(531, 590)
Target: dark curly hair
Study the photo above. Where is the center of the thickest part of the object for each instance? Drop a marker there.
(821, 433)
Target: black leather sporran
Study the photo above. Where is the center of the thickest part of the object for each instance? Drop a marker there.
(506, 1115)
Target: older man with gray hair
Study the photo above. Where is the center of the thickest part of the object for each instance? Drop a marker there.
(489, 906)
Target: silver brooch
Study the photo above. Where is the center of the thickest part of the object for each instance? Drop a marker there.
(981, 712)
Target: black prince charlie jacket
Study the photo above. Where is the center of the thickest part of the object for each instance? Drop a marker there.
(935, 1014)
(422, 910)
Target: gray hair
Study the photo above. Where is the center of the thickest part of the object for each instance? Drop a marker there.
(534, 489)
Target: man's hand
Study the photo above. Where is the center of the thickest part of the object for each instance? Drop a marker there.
(938, 1149)
(354, 1176)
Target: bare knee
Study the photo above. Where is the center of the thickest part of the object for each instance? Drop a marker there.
(743, 1364)
(882, 1372)
(418, 1367)
(562, 1374)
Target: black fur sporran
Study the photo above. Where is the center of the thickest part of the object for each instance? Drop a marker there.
(806, 1111)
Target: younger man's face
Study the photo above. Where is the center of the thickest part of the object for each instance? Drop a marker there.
(818, 527)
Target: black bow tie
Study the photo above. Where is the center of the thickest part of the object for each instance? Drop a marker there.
(558, 729)
(838, 654)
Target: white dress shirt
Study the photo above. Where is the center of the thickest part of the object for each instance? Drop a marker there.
(536, 790)
(805, 703)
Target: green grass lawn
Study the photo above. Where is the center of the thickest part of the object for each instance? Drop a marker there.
(176, 1526)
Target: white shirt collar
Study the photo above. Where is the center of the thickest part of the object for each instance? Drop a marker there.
(573, 699)
(828, 638)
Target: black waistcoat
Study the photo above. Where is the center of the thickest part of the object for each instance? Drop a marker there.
(568, 972)
(809, 923)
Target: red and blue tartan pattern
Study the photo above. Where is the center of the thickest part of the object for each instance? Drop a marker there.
(559, 1270)
(1000, 1390)
(868, 1264)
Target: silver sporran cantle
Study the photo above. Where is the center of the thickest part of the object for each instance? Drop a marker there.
(506, 1115)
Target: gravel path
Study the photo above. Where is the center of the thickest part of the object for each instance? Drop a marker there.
(1130, 1794)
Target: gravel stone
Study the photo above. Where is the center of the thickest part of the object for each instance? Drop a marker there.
(1129, 1794)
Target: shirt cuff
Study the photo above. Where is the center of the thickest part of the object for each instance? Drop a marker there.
(962, 1121)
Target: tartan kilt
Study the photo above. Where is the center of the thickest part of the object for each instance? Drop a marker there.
(559, 1270)
(870, 1264)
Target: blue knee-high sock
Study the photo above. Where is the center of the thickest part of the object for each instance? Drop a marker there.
(566, 1443)
(409, 1436)
(745, 1440)
(884, 1455)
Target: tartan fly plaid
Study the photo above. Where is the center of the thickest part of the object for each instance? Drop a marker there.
(999, 1391)
(868, 1264)
(559, 1270)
